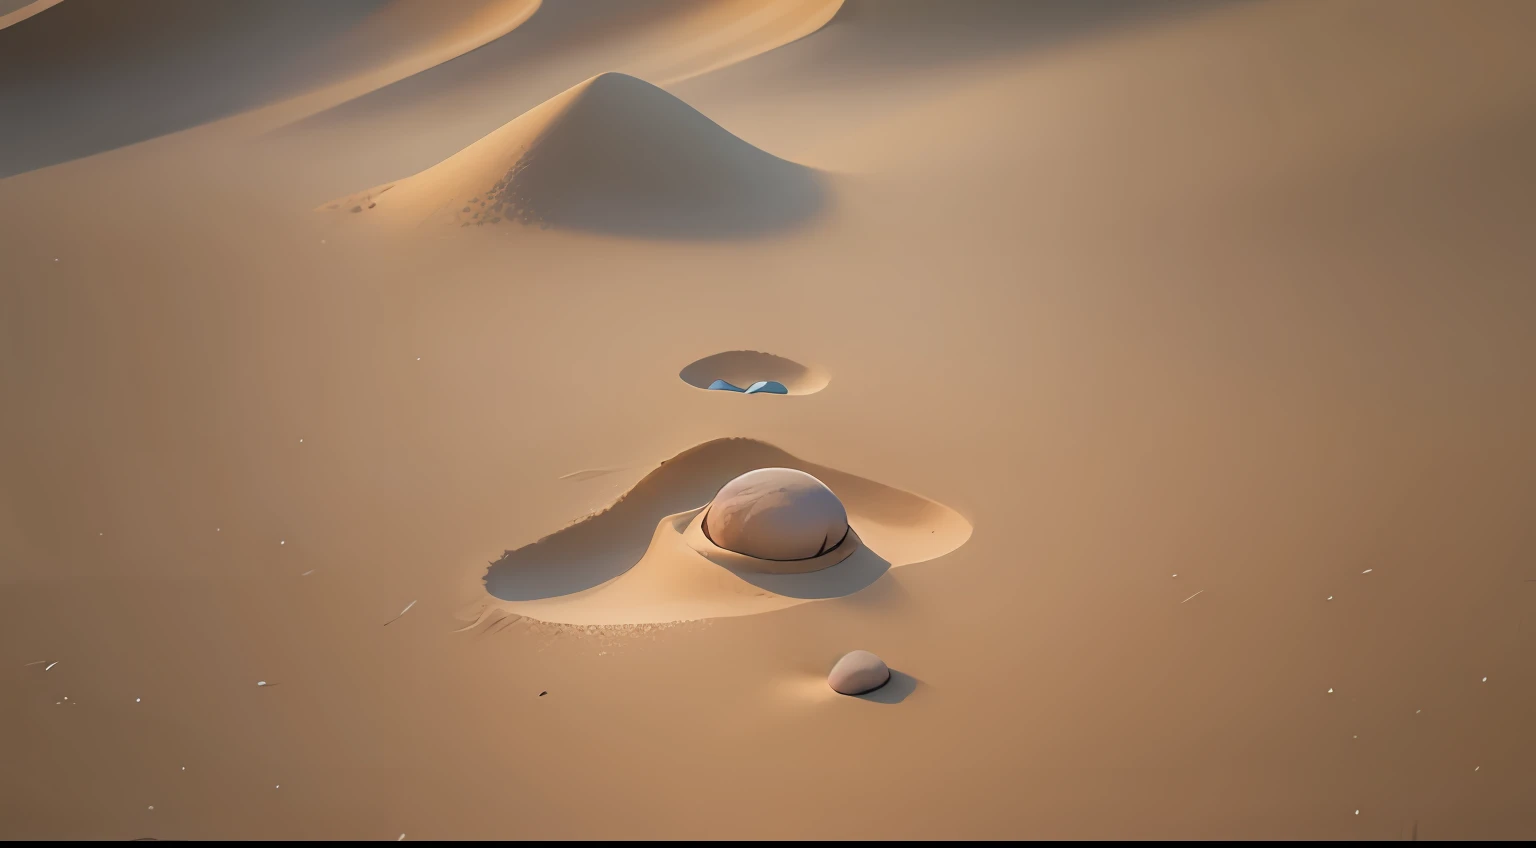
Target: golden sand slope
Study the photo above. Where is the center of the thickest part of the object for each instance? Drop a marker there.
(725, 33)
(93, 76)
(612, 154)
(474, 28)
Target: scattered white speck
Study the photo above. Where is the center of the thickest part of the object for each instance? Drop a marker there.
(1368, 571)
(1479, 768)
(50, 665)
(1191, 597)
(418, 359)
(101, 534)
(1485, 680)
(279, 786)
(283, 542)
(1330, 690)
(1357, 812)
(307, 573)
(261, 683)
(301, 441)
(151, 806)
(1416, 712)
(66, 697)
(401, 839)
(183, 768)
(1357, 737)
(1330, 597)
(1175, 575)
(218, 529)
(137, 700)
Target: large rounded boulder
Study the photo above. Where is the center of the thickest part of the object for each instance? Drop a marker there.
(776, 514)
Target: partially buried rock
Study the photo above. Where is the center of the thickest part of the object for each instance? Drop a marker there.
(858, 672)
(776, 514)
(772, 387)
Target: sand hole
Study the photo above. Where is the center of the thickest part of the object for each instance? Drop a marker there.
(744, 367)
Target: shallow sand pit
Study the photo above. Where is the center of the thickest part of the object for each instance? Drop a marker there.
(743, 368)
(647, 560)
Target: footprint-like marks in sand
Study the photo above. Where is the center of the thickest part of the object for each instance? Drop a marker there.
(743, 369)
(644, 561)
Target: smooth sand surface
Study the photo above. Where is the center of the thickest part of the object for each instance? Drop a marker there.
(1182, 358)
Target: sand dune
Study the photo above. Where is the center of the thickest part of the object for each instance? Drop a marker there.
(422, 119)
(634, 563)
(613, 154)
(93, 75)
(724, 33)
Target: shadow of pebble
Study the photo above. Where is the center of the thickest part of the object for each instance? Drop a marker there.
(894, 691)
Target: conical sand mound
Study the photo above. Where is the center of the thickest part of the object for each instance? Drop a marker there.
(614, 154)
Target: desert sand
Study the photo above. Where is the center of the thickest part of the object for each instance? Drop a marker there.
(1173, 363)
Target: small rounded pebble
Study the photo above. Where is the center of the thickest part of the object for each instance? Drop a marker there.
(858, 672)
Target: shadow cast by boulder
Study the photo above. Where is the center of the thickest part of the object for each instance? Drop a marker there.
(897, 689)
(853, 574)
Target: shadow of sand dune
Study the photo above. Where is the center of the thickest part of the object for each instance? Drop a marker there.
(896, 527)
(87, 76)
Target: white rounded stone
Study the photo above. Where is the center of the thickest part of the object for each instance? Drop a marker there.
(858, 672)
(776, 514)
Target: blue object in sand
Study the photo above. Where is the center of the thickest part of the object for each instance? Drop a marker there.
(770, 387)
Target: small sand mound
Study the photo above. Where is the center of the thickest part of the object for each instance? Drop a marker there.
(614, 154)
(646, 560)
(743, 368)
